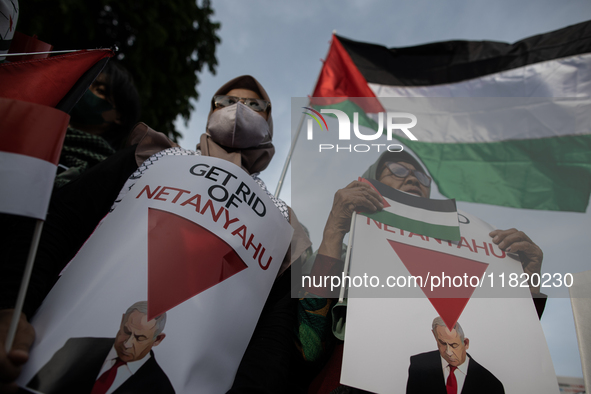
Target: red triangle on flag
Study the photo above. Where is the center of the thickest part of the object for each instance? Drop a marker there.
(47, 81)
(448, 299)
(184, 259)
(340, 77)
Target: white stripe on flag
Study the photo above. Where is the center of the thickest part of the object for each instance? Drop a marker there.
(493, 119)
(565, 77)
(423, 215)
(27, 183)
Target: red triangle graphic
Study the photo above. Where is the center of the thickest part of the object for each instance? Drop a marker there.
(448, 300)
(340, 78)
(184, 259)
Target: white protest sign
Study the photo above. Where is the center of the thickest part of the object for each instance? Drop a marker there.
(198, 239)
(497, 315)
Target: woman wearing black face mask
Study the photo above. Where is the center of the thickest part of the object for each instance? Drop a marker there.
(235, 135)
(100, 122)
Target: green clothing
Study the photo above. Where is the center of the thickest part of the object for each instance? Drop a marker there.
(80, 152)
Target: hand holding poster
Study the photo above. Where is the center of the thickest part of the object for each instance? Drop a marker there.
(196, 238)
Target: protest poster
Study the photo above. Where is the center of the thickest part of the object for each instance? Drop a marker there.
(389, 342)
(570, 385)
(198, 239)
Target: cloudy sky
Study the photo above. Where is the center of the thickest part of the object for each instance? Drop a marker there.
(282, 44)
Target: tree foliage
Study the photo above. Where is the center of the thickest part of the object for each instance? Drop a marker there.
(163, 43)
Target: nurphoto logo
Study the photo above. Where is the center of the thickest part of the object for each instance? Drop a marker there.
(392, 123)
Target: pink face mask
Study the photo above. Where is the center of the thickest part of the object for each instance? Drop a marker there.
(237, 126)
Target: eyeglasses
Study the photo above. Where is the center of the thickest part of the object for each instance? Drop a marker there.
(400, 171)
(257, 105)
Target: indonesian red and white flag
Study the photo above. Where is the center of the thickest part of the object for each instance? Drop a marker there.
(31, 138)
(35, 96)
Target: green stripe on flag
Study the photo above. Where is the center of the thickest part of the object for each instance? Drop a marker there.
(448, 233)
(546, 173)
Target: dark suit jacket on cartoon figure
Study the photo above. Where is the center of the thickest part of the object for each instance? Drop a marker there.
(75, 367)
(425, 375)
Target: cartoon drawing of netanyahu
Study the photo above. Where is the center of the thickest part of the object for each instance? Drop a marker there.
(124, 364)
(450, 370)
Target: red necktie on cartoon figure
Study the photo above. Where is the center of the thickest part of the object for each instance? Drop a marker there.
(105, 381)
(452, 384)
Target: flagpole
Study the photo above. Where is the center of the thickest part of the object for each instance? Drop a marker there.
(288, 159)
(348, 256)
(295, 139)
(24, 285)
(52, 52)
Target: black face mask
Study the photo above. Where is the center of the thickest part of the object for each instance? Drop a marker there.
(89, 110)
(237, 126)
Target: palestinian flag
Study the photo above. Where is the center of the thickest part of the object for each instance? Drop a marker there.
(424, 216)
(35, 96)
(57, 81)
(530, 167)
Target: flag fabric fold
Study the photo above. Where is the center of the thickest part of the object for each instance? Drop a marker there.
(47, 81)
(555, 164)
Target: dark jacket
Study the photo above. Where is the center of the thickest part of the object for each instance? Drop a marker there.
(76, 366)
(425, 375)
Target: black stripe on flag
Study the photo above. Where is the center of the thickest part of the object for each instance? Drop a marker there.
(412, 200)
(454, 61)
(71, 98)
